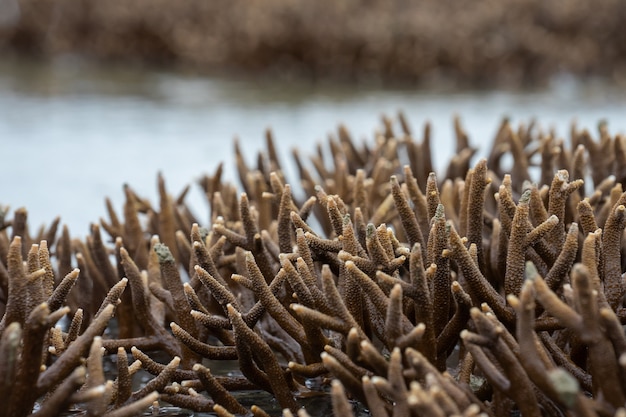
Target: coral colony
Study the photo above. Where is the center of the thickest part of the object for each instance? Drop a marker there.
(376, 282)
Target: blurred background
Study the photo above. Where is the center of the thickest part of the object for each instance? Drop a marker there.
(95, 94)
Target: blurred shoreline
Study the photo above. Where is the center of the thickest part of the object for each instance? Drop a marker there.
(483, 43)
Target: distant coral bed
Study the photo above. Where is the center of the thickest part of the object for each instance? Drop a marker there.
(483, 42)
(490, 290)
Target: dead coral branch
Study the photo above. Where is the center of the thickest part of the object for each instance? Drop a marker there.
(416, 295)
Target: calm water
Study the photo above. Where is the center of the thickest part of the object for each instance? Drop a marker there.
(73, 133)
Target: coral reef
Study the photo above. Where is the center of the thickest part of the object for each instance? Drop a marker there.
(512, 42)
(482, 293)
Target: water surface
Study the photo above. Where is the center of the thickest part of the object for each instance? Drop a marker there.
(73, 133)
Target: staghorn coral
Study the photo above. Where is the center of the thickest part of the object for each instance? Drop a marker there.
(481, 294)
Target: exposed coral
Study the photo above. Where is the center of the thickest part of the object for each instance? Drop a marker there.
(482, 293)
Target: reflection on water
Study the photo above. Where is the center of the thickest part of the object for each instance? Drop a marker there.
(73, 133)
(319, 406)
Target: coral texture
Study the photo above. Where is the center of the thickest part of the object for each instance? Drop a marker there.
(482, 293)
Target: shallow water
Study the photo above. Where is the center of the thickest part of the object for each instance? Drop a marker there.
(73, 132)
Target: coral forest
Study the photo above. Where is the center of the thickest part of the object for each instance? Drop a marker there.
(494, 288)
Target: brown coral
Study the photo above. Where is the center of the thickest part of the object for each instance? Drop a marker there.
(493, 302)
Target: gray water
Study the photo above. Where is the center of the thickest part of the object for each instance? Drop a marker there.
(73, 133)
